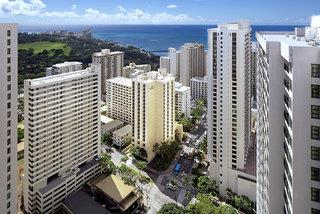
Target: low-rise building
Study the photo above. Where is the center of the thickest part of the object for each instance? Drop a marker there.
(64, 67)
(122, 135)
(199, 88)
(182, 99)
(109, 125)
(127, 71)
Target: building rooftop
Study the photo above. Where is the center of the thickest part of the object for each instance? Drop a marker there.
(60, 77)
(181, 88)
(64, 64)
(81, 203)
(160, 76)
(199, 78)
(121, 81)
(287, 38)
(105, 52)
(124, 130)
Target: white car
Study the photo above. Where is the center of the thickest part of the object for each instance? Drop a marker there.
(171, 186)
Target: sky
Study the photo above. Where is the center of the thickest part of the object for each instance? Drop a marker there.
(89, 12)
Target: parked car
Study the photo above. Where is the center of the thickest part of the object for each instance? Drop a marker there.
(177, 169)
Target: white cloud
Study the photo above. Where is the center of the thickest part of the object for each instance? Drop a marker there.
(20, 7)
(37, 8)
(121, 9)
(171, 6)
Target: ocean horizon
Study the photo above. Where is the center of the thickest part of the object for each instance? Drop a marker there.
(154, 38)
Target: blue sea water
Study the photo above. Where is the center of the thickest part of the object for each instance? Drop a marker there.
(155, 38)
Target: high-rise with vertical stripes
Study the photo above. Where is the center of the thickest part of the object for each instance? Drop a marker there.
(8, 117)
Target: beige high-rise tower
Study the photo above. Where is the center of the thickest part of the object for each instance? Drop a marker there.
(8, 113)
(111, 64)
(153, 110)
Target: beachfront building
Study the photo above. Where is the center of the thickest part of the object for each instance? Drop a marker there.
(199, 88)
(288, 129)
(9, 117)
(111, 65)
(231, 163)
(119, 99)
(64, 67)
(182, 99)
(62, 137)
(153, 110)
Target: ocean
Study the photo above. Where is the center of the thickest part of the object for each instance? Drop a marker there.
(154, 38)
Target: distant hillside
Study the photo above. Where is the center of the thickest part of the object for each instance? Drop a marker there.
(39, 51)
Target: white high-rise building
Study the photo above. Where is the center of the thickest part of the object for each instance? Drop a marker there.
(254, 53)
(192, 62)
(132, 68)
(229, 51)
(174, 57)
(111, 64)
(183, 99)
(9, 117)
(288, 129)
(62, 137)
(153, 111)
(199, 88)
(64, 67)
(165, 63)
(119, 99)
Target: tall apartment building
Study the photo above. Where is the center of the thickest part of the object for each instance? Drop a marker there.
(199, 88)
(64, 67)
(9, 117)
(192, 62)
(174, 56)
(229, 51)
(153, 110)
(254, 52)
(119, 99)
(165, 63)
(62, 137)
(130, 70)
(182, 99)
(288, 134)
(111, 64)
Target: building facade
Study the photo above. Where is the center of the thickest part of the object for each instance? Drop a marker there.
(119, 99)
(229, 51)
(174, 56)
(63, 68)
(199, 88)
(111, 64)
(153, 110)
(62, 137)
(9, 117)
(182, 99)
(192, 62)
(288, 133)
(254, 52)
(165, 63)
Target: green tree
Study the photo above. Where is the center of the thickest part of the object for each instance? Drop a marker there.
(141, 165)
(206, 185)
(225, 209)
(106, 138)
(204, 205)
(204, 146)
(171, 208)
(243, 203)
(106, 164)
(20, 135)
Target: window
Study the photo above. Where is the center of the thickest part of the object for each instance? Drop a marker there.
(9, 69)
(315, 91)
(8, 50)
(315, 112)
(8, 151)
(315, 194)
(8, 105)
(8, 123)
(8, 41)
(315, 174)
(315, 153)
(315, 70)
(9, 78)
(315, 211)
(8, 96)
(8, 141)
(9, 60)
(315, 132)
(8, 87)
